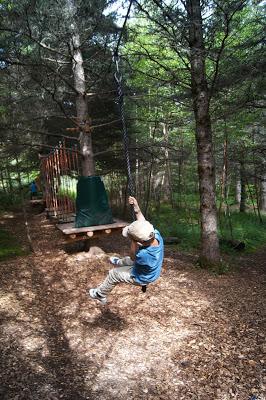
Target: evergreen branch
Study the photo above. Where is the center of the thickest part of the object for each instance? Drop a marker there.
(228, 20)
(36, 65)
(37, 132)
(164, 67)
(34, 40)
(38, 145)
(163, 27)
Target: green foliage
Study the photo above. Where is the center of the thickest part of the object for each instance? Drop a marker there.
(68, 187)
(219, 268)
(183, 223)
(158, 105)
(9, 201)
(246, 228)
(36, 83)
(9, 246)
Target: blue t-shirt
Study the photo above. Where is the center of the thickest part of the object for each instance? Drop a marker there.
(33, 187)
(148, 262)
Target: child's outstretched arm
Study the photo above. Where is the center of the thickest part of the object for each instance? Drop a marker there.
(137, 210)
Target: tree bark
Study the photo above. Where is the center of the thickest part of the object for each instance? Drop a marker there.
(238, 190)
(149, 176)
(181, 170)
(225, 169)
(210, 252)
(243, 193)
(3, 182)
(83, 121)
(168, 175)
(263, 193)
(10, 184)
(25, 216)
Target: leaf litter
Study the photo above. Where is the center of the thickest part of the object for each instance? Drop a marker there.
(193, 335)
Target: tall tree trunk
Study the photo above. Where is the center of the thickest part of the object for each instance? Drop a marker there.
(25, 215)
(168, 175)
(225, 168)
(210, 252)
(263, 193)
(3, 182)
(10, 183)
(149, 176)
(181, 170)
(84, 123)
(243, 193)
(238, 190)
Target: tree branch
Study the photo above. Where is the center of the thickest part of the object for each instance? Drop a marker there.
(228, 20)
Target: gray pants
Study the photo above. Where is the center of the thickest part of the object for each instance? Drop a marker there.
(121, 274)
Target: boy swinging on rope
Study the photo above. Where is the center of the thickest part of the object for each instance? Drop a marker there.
(145, 261)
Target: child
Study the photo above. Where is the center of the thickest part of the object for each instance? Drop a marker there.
(33, 190)
(145, 261)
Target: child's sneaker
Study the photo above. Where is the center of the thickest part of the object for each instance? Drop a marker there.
(114, 260)
(94, 295)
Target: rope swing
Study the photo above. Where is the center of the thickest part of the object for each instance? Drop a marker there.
(120, 101)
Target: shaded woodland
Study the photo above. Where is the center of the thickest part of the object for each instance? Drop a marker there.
(193, 100)
(164, 100)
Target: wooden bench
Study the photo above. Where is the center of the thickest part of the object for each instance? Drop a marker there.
(73, 234)
(35, 202)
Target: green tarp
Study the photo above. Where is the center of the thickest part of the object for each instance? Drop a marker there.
(92, 206)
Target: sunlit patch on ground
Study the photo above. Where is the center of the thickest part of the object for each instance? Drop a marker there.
(7, 215)
(191, 336)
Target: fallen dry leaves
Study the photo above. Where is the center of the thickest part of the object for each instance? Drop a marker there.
(193, 335)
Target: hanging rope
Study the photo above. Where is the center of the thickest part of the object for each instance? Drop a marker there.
(119, 82)
(120, 101)
(123, 28)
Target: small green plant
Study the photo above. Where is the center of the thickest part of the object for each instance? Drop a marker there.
(9, 246)
(220, 268)
(246, 228)
(8, 201)
(183, 222)
(180, 223)
(223, 268)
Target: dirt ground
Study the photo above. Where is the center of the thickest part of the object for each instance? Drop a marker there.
(193, 335)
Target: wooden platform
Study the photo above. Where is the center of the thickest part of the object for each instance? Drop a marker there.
(72, 233)
(36, 202)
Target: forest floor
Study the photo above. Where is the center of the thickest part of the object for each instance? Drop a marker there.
(193, 335)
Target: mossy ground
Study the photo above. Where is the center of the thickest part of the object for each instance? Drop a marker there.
(9, 246)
